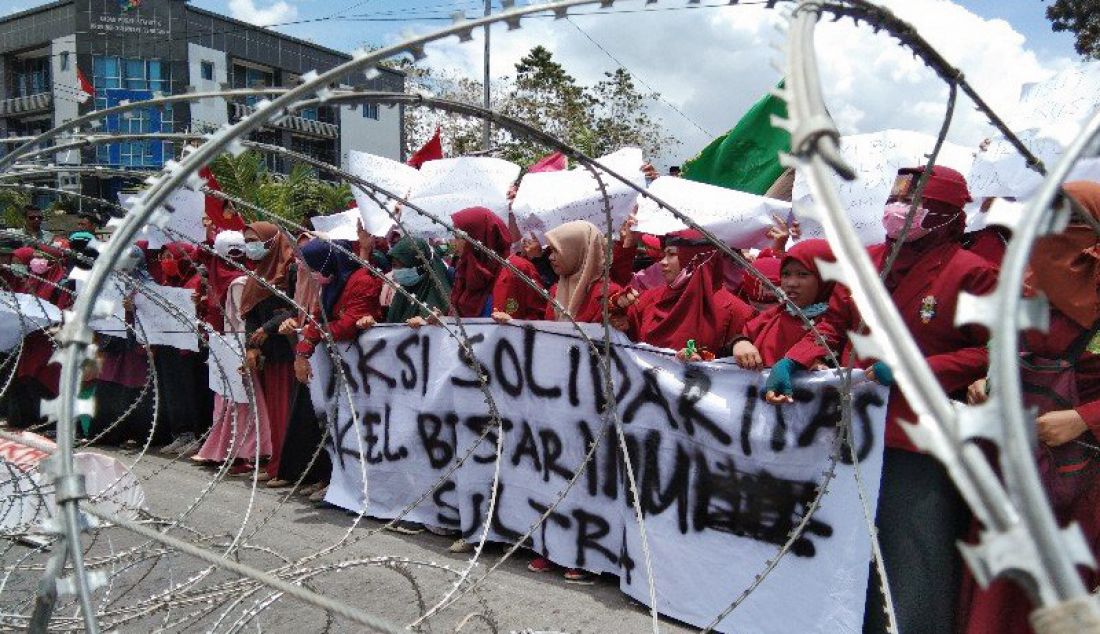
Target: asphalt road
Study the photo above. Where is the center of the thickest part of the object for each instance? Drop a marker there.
(152, 590)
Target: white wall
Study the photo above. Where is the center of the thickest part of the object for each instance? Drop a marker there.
(206, 114)
(66, 90)
(381, 137)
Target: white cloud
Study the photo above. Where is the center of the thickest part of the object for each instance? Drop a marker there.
(277, 13)
(713, 63)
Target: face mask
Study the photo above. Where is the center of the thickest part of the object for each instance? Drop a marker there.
(171, 268)
(19, 269)
(255, 250)
(893, 220)
(39, 266)
(406, 277)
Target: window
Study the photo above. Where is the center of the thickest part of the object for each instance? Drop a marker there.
(370, 111)
(110, 72)
(252, 77)
(206, 70)
(30, 76)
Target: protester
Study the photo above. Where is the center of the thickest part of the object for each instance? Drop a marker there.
(178, 392)
(476, 271)
(124, 385)
(1060, 375)
(920, 514)
(577, 252)
(241, 433)
(348, 304)
(267, 352)
(516, 296)
(767, 338)
(421, 273)
(693, 305)
(752, 289)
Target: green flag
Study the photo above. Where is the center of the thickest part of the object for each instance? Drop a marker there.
(747, 157)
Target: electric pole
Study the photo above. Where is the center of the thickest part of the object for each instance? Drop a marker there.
(485, 129)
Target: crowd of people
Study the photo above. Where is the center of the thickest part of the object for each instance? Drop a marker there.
(678, 292)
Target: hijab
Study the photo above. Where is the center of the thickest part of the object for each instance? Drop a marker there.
(776, 330)
(220, 273)
(580, 247)
(331, 259)
(687, 308)
(476, 271)
(1066, 266)
(410, 252)
(274, 267)
(183, 273)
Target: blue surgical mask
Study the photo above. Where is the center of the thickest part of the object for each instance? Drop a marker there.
(255, 250)
(407, 276)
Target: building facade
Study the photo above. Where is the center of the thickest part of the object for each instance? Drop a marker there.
(133, 50)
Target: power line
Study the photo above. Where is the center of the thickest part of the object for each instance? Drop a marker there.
(640, 80)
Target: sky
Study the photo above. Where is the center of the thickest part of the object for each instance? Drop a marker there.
(710, 64)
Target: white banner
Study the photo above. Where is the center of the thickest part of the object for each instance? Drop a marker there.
(548, 199)
(224, 365)
(722, 477)
(737, 218)
(876, 158)
(393, 176)
(165, 316)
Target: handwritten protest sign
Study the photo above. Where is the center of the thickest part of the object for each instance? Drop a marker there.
(338, 226)
(450, 185)
(1047, 118)
(165, 316)
(737, 218)
(548, 199)
(184, 222)
(876, 158)
(224, 363)
(392, 176)
(722, 477)
(22, 314)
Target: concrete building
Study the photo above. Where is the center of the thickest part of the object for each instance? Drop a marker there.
(132, 50)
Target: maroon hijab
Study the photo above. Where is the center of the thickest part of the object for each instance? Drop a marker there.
(476, 271)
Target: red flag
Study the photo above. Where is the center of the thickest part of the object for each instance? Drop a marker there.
(550, 163)
(222, 218)
(431, 151)
(85, 85)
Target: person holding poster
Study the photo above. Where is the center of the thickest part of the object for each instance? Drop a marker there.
(514, 296)
(767, 338)
(693, 304)
(421, 273)
(920, 513)
(348, 304)
(1060, 373)
(267, 352)
(180, 399)
(241, 433)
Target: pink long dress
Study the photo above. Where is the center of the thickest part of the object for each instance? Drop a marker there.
(234, 434)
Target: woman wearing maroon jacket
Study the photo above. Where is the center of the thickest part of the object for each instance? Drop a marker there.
(920, 514)
(693, 304)
(1060, 373)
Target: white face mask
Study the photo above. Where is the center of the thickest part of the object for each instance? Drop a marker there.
(255, 250)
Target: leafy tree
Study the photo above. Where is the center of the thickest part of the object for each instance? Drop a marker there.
(1080, 17)
(295, 196)
(595, 119)
(12, 203)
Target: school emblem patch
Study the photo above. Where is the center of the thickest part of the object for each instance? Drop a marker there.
(927, 309)
(1094, 344)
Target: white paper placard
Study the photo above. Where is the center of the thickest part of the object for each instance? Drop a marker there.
(876, 158)
(387, 174)
(167, 320)
(338, 226)
(548, 199)
(737, 218)
(451, 185)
